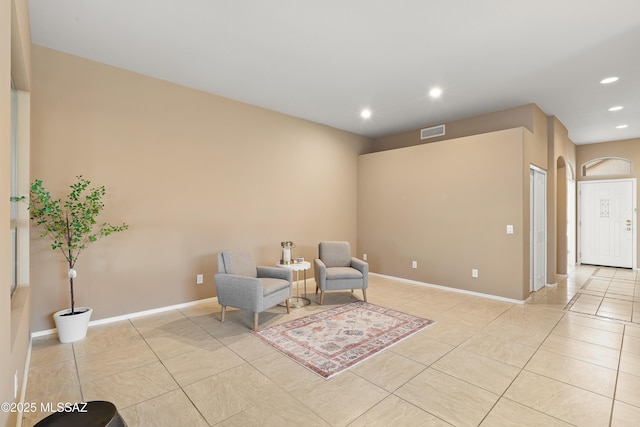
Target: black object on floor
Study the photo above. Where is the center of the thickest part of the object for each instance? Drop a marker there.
(97, 413)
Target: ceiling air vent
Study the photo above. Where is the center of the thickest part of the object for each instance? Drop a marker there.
(432, 132)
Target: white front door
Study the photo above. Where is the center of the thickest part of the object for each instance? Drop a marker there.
(538, 228)
(606, 222)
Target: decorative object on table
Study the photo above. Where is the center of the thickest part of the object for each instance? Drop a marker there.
(299, 259)
(331, 341)
(242, 284)
(298, 301)
(286, 251)
(336, 269)
(71, 226)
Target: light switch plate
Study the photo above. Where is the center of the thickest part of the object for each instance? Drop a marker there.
(509, 229)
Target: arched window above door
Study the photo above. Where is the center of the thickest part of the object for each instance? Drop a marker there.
(607, 166)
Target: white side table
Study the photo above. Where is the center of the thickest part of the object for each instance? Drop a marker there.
(298, 301)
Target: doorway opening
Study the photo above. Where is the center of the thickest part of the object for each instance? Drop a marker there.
(561, 217)
(537, 228)
(571, 220)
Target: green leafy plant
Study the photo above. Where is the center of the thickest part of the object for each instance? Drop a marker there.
(71, 224)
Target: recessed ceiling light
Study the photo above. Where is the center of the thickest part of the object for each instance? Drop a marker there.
(616, 108)
(608, 80)
(622, 126)
(435, 92)
(365, 114)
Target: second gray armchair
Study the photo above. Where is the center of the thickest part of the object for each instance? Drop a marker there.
(241, 284)
(336, 269)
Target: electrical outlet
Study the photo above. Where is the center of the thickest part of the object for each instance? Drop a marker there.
(199, 279)
(414, 264)
(364, 257)
(509, 229)
(474, 273)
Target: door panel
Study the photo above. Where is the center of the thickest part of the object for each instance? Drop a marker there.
(606, 223)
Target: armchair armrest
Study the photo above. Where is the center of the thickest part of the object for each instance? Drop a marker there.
(363, 267)
(239, 291)
(275, 273)
(319, 271)
(360, 265)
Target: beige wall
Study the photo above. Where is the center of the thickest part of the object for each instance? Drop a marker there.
(447, 205)
(628, 149)
(536, 147)
(14, 312)
(526, 116)
(562, 155)
(534, 151)
(191, 173)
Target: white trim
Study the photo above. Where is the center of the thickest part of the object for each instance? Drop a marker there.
(447, 288)
(132, 315)
(536, 169)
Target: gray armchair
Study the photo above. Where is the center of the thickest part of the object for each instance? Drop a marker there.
(336, 269)
(241, 284)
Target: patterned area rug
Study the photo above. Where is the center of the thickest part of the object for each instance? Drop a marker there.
(336, 339)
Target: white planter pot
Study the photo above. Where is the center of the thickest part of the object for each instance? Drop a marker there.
(72, 327)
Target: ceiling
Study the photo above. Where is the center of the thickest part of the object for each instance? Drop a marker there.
(325, 61)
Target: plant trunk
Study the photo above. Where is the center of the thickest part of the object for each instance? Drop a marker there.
(71, 277)
(72, 299)
(71, 263)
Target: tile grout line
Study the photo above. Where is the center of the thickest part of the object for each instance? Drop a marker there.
(617, 297)
(180, 387)
(502, 396)
(615, 387)
(75, 361)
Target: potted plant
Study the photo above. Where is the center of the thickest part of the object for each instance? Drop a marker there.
(71, 226)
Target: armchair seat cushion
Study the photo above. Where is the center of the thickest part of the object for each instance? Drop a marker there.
(336, 273)
(270, 285)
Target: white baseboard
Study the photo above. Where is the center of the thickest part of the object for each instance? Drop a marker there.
(447, 288)
(131, 315)
(192, 303)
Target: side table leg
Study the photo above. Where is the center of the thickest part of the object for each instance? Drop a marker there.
(305, 283)
(298, 301)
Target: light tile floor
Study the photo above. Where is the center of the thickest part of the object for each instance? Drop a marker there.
(610, 293)
(484, 362)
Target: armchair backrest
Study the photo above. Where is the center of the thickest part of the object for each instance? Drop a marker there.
(335, 254)
(237, 261)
